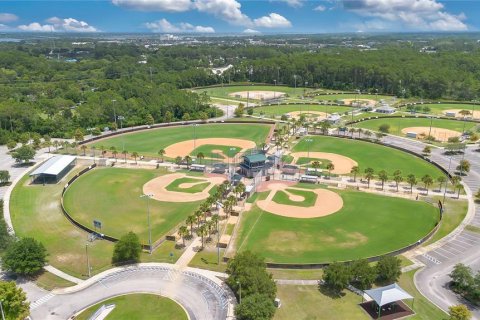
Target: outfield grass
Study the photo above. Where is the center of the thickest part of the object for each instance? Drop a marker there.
(282, 197)
(398, 123)
(367, 225)
(278, 110)
(438, 108)
(139, 307)
(341, 96)
(174, 186)
(207, 149)
(150, 141)
(112, 196)
(370, 155)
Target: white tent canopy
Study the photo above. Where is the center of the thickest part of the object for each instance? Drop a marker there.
(388, 294)
(53, 166)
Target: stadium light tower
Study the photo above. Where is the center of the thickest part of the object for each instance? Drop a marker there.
(114, 113)
(148, 196)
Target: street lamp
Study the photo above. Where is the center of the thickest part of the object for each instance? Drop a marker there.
(240, 291)
(88, 261)
(1, 309)
(114, 112)
(148, 196)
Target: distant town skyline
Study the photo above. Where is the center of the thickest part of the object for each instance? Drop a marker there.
(241, 17)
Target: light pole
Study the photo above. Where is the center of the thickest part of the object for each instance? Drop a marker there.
(240, 291)
(448, 178)
(88, 261)
(194, 136)
(148, 196)
(1, 309)
(114, 112)
(295, 81)
(308, 146)
(430, 131)
(121, 118)
(275, 91)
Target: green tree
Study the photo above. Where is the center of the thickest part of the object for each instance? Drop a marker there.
(427, 180)
(462, 277)
(149, 120)
(336, 277)
(5, 237)
(397, 177)
(191, 220)
(127, 249)
(384, 128)
(441, 180)
(330, 167)
(369, 175)
(11, 145)
(14, 301)
(255, 307)
(183, 233)
(362, 274)
(200, 156)
(239, 110)
(355, 170)
(477, 196)
(464, 167)
(4, 177)
(383, 176)
(388, 269)
(23, 154)
(78, 135)
(248, 271)
(135, 156)
(411, 180)
(427, 151)
(161, 153)
(25, 257)
(459, 312)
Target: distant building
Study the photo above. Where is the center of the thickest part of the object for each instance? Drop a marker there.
(253, 164)
(334, 118)
(53, 169)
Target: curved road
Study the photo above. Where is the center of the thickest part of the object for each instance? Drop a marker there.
(461, 246)
(200, 296)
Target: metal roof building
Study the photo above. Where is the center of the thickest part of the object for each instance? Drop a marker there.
(54, 168)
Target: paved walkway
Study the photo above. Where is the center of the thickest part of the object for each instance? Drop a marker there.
(189, 252)
(62, 274)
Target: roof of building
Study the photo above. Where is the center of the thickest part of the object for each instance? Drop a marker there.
(388, 294)
(256, 157)
(54, 165)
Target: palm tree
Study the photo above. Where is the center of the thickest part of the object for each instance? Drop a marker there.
(200, 156)
(383, 176)
(202, 231)
(456, 182)
(426, 151)
(198, 215)
(125, 152)
(112, 149)
(178, 160)
(188, 161)
(209, 224)
(427, 180)
(114, 153)
(135, 156)
(215, 219)
(191, 220)
(232, 199)
(161, 153)
(324, 126)
(397, 178)
(441, 180)
(48, 144)
(239, 189)
(412, 180)
(183, 232)
(369, 175)
(360, 131)
(367, 133)
(56, 144)
(102, 148)
(73, 145)
(463, 167)
(316, 165)
(84, 149)
(330, 167)
(355, 170)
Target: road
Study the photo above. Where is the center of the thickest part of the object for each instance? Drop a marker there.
(458, 247)
(200, 296)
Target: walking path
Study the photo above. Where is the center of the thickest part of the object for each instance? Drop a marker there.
(189, 252)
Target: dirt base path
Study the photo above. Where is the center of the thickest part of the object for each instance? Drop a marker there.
(184, 148)
(439, 134)
(349, 102)
(328, 202)
(308, 114)
(476, 113)
(342, 164)
(157, 187)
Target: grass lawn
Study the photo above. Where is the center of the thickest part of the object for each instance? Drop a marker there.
(455, 212)
(139, 306)
(439, 108)
(114, 199)
(278, 110)
(341, 96)
(208, 148)
(295, 274)
(198, 187)
(150, 141)
(367, 225)
(208, 259)
(399, 123)
(371, 155)
(49, 281)
(308, 303)
(282, 197)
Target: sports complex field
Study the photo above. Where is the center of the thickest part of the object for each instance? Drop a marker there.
(313, 110)
(442, 108)
(227, 92)
(366, 225)
(149, 142)
(369, 155)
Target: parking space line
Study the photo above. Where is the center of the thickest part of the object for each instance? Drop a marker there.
(447, 252)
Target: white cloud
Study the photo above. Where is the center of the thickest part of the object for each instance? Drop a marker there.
(410, 14)
(251, 31)
(56, 24)
(293, 3)
(227, 10)
(7, 17)
(273, 20)
(320, 8)
(163, 25)
(155, 5)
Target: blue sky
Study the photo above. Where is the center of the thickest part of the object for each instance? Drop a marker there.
(236, 16)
